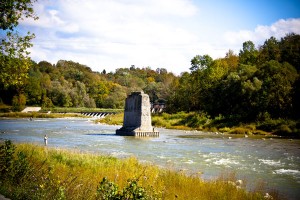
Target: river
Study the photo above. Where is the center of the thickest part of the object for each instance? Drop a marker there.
(273, 162)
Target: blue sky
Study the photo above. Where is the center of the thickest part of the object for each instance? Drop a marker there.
(110, 34)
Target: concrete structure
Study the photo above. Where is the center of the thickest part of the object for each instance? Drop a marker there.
(137, 116)
(31, 109)
(97, 114)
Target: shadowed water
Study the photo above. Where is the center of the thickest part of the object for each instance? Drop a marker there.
(273, 161)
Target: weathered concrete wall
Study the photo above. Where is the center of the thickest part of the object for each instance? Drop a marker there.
(31, 109)
(132, 110)
(137, 116)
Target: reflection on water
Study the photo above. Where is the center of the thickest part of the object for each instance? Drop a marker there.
(271, 160)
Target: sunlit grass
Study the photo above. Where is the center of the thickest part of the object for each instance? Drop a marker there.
(116, 119)
(71, 174)
(80, 109)
(39, 115)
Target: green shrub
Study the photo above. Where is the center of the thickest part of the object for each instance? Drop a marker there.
(260, 132)
(5, 108)
(6, 159)
(19, 102)
(20, 167)
(251, 127)
(240, 130)
(225, 129)
(282, 127)
(195, 120)
(158, 122)
(12, 169)
(116, 119)
(108, 190)
(283, 130)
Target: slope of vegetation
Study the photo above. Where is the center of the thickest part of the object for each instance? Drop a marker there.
(35, 172)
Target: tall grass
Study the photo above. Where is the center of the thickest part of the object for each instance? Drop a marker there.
(49, 173)
(116, 119)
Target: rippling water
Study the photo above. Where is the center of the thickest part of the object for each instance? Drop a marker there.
(275, 162)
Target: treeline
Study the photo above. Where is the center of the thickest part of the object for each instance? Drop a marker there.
(256, 84)
(70, 84)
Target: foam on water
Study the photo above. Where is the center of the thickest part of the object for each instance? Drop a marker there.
(270, 162)
(189, 162)
(121, 154)
(287, 171)
(226, 161)
(162, 157)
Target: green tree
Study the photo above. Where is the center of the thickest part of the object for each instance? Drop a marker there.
(116, 97)
(33, 87)
(200, 62)
(11, 11)
(248, 55)
(152, 89)
(19, 102)
(232, 59)
(296, 99)
(270, 50)
(290, 50)
(182, 97)
(276, 94)
(232, 95)
(14, 59)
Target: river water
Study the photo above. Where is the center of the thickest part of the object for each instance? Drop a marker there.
(273, 162)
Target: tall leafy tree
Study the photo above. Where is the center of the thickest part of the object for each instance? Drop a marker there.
(232, 59)
(12, 11)
(248, 55)
(200, 62)
(270, 50)
(182, 96)
(14, 59)
(276, 94)
(290, 50)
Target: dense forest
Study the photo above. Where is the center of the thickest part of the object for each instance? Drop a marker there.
(259, 82)
(70, 84)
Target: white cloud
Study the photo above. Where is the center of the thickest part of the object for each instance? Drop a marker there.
(112, 34)
(278, 29)
(109, 34)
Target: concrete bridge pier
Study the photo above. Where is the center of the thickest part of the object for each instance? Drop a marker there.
(137, 117)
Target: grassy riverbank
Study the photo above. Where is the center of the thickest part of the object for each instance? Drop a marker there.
(79, 110)
(196, 121)
(55, 112)
(36, 172)
(39, 115)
